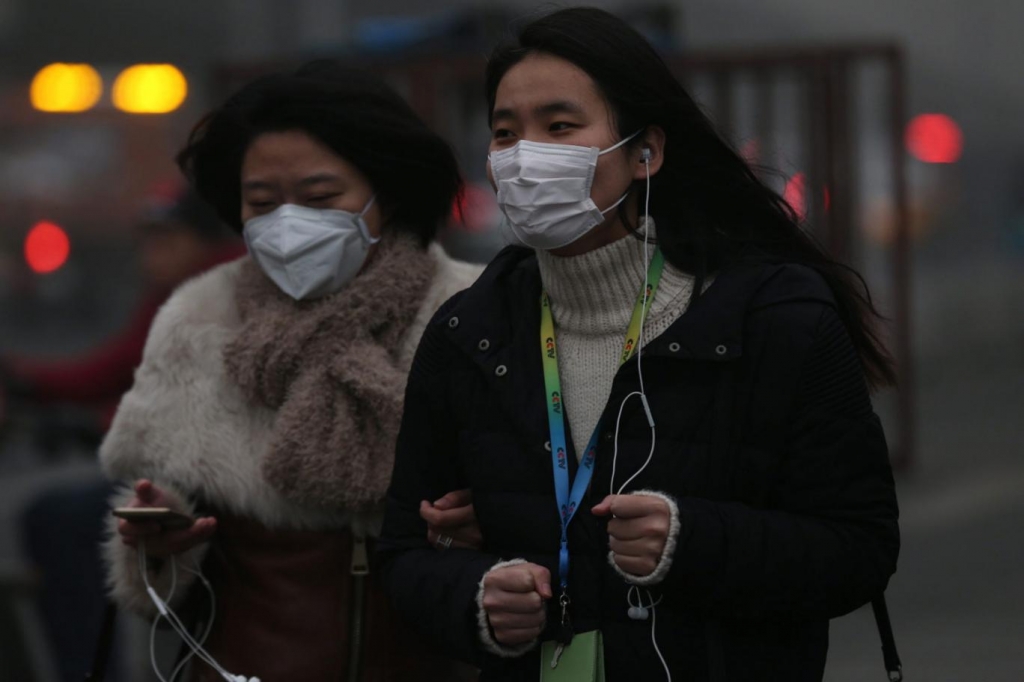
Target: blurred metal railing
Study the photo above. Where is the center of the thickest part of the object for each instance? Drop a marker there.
(829, 113)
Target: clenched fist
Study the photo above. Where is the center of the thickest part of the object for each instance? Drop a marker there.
(637, 531)
(515, 602)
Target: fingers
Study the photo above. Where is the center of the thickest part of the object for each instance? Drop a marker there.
(467, 537)
(541, 578)
(509, 620)
(521, 578)
(136, 529)
(642, 548)
(510, 579)
(519, 603)
(637, 531)
(636, 565)
(165, 542)
(456, 498)
(452, 518)
(516, 637)
(149, 495)
(179, 541)
(604, 508)
(514, 601)
(471, 536)
(652, 526)
(144, 493)
(631, 506)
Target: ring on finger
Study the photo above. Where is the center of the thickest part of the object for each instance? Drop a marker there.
(443, 541)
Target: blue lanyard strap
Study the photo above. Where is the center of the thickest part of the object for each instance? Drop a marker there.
(569, 501)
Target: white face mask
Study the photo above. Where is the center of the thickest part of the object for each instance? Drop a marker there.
(544, 191)
(309, 252)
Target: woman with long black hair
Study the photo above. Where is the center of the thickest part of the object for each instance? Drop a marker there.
(661, 404)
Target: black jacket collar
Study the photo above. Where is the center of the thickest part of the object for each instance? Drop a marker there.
(506, 299)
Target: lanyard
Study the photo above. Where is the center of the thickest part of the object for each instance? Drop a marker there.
(568, 501)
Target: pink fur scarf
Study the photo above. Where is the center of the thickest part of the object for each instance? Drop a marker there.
(328, 368)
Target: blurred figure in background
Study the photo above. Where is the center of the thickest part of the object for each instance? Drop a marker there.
(180, 237)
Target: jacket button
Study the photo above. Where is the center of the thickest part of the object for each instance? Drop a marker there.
(674, 347)
(453, 323)
(721, 350)
(501, 370)
(484, 344)
(547, 445)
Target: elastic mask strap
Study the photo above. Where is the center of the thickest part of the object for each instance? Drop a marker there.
(369, 204)
(619, 144)
(621, 199)
(362, 223)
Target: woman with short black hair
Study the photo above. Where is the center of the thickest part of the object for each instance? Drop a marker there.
(660, 404)
(268, 401)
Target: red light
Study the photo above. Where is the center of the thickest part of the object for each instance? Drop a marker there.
(47, 248)
(476, 209)
(934, 138)
(795, 195)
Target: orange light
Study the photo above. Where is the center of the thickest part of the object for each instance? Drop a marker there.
(150, 89)
(47, 248)
(66, 88)
(934, 138)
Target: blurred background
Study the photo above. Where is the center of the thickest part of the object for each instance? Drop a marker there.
(896, 128)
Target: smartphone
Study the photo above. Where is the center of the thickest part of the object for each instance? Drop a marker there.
(168, 518)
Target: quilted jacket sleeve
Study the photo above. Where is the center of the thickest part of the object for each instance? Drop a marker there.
(830, 541)
(434, 590)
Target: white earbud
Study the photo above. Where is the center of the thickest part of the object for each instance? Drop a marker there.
(645, 154)
(638, 613)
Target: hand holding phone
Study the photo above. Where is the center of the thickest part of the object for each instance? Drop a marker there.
(166, 517)
(151, 520)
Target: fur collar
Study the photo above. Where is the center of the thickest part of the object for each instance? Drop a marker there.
(327, 367)
(189, 427)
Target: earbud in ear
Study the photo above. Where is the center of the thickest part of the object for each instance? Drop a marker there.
(638, 613)
(645, 154)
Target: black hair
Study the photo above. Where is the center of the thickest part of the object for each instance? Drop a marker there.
(185, 211)
(412, 170)
(711, 210)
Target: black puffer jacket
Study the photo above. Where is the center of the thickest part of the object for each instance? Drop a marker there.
(766, 440)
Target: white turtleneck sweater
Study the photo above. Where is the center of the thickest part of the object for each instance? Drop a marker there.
(592, 299)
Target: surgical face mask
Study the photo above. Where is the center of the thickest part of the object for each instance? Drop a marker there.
(544, 191)
(309, 252)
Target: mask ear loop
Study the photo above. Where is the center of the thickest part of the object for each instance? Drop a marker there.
(626, 194)
(619, 143)
(364, 229)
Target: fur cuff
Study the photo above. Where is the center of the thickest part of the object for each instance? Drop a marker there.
(665, 562)
(491, 645)
(124, 580)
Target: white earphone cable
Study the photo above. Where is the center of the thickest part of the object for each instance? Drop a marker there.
(166, 612)
(654, 639)
(209, 621)
(642, 394)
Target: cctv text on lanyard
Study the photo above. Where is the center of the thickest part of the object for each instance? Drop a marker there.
(569, 500)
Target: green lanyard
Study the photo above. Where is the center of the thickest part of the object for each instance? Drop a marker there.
(568, 501)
